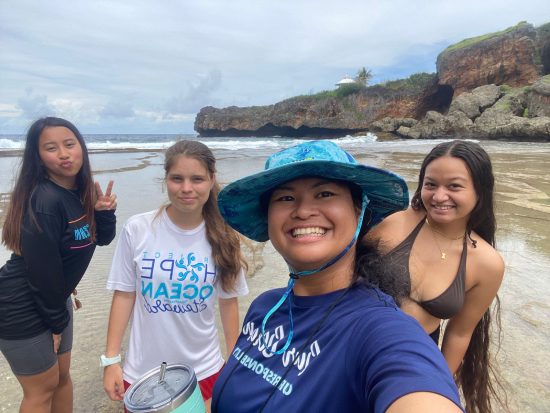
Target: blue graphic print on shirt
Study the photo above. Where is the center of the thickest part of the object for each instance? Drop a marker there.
(82, 232)
(176, 283)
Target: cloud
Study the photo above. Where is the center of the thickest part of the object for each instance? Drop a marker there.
(117, 109)
(198, 95)
(34, 106)
(104, 63)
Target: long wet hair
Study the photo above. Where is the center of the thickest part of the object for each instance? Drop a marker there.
(476, 375)
(371, 268)
(32, 172)
(224, 241)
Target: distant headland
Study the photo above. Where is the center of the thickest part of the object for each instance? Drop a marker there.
(495, 86)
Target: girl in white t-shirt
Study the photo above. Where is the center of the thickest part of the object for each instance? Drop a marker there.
(169, 269)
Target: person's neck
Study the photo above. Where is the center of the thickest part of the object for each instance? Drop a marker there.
(336, 277)
(69, 184)
(184, 221)
(451, 230)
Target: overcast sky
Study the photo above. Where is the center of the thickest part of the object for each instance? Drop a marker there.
(146, 66)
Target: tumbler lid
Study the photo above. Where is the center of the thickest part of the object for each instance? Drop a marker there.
(161, 389)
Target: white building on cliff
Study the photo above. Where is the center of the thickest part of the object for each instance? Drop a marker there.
(346, 80)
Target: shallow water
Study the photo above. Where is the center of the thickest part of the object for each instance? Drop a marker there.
(523, 214)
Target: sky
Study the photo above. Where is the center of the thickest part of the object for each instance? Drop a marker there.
(145, 66)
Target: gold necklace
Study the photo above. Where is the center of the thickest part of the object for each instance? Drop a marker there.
(442, 233)
(451, 240)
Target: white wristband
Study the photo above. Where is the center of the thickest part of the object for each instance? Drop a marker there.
(107, 361)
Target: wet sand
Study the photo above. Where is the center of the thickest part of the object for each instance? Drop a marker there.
(523, 213)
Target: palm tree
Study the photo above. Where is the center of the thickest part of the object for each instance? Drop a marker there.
(363, 76)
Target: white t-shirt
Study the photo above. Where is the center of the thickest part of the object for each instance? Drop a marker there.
(173, 274)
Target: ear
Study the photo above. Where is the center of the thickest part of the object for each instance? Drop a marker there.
(213, 181)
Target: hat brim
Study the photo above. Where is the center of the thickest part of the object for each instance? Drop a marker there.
(240, 201)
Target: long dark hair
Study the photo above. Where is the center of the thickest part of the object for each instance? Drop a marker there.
(223, 239)
(32, 172)
(476, 375)
(482, 218)
(371, 267)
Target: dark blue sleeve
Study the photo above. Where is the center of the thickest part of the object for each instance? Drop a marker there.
(105, 226)
(399, 358)
(40, 247)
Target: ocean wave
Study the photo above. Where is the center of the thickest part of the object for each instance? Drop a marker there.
(160, 142)
(11, 144)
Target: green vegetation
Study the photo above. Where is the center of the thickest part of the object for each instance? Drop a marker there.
(413, 83)
(339, 93)
(544, 30)
(348, 89)
(416, 81)
(503, 104)
(525, 113)
(363, 76)
(474, 40)
(546, 79)
(511, 91)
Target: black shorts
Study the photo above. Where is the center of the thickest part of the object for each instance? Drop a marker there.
(30, 356)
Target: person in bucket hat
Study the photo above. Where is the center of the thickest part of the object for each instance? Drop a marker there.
(330, 341)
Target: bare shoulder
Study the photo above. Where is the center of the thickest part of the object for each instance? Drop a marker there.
(488, 263)
(395, 228)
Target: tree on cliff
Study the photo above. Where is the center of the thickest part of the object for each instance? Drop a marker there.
(363, 76)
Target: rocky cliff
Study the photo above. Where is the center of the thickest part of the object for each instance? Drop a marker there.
(491, 86)
(508, 57)
(328, 113)
(487, 112)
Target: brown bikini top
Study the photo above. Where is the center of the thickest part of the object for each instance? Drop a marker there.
(450, 301)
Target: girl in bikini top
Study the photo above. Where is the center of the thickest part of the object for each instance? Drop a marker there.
(450, 301)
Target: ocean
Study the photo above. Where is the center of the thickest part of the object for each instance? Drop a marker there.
(135, 162)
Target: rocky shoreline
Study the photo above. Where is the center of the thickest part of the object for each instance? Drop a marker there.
(495, 86)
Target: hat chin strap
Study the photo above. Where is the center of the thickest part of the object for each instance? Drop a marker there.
(295, 275)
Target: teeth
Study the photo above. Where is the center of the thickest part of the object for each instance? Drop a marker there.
(442, 206)
(318, 231)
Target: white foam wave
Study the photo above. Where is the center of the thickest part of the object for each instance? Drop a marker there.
(7, 144)
(128, 145)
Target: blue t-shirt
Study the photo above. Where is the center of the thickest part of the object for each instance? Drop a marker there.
(366, 354)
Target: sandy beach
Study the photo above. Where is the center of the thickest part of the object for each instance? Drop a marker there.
(523, 213)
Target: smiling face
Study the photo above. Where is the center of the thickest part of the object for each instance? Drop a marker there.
(310, 221)
(61, 154)
(448, 192)
(188, 183)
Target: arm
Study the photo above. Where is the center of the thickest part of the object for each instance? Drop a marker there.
(478, 299)
(45, 277)
(399, 367)
(423, 402)
(121, 309)
(229, 314)
(105, 214)
(105, 226)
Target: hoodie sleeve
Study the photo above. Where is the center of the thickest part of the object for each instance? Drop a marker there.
(40, 247)
(106, 226)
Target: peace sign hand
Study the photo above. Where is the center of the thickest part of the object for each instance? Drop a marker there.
(105, 201)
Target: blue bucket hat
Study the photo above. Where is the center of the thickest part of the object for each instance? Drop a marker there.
(241, 205)
(241, 201)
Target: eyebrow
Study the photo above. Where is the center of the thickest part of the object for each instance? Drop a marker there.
(70, 138)
(454, 178)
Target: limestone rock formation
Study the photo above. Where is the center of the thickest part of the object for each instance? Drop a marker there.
(489, 112)
(491, 86)
(508, 57)
(327, 113)
(538, 98)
